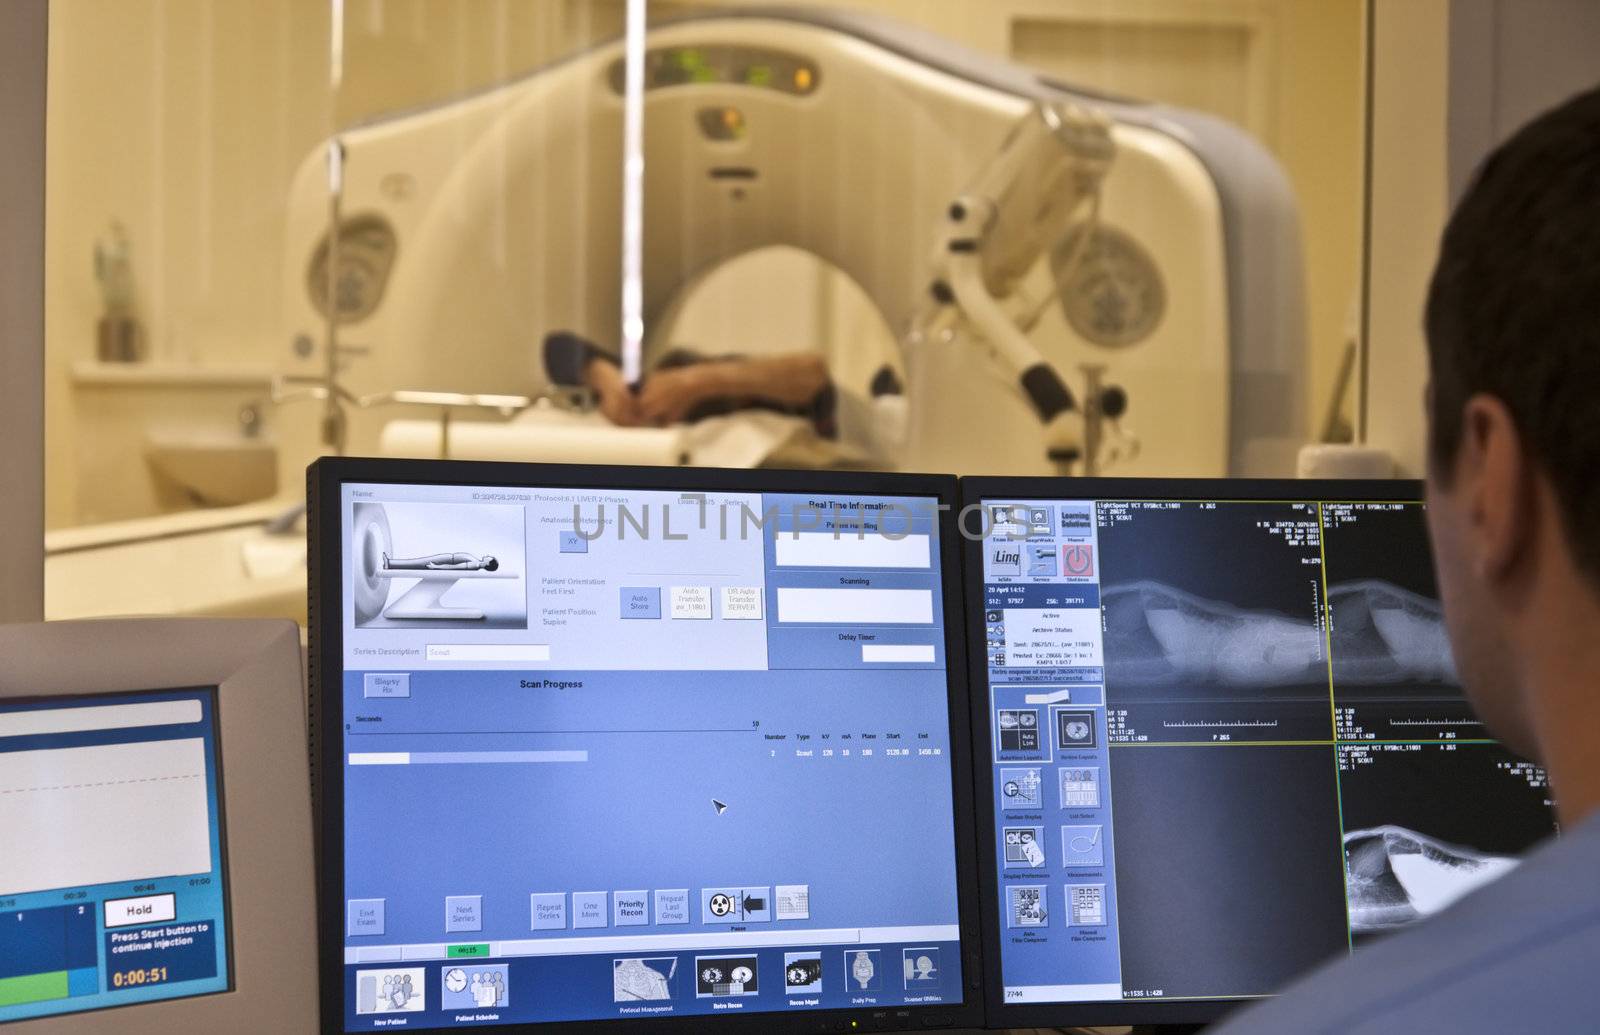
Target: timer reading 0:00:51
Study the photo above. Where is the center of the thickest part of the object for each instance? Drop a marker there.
(134, 978)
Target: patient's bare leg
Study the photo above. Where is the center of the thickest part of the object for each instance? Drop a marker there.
(442, 562)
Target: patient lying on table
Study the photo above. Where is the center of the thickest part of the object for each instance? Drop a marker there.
(687, 387)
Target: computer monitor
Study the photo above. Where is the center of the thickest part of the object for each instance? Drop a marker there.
(155, 828)
(617, 745)
(1225, 740)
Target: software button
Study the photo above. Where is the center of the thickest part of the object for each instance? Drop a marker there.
(672, 907)
(463, 913)
(155, 909)
(736, 905)
(793, 901)
(630, 908)
(691, 602)
(742, 603)
(549, 912)
(386, 684)
(641, 602)
(589, 909)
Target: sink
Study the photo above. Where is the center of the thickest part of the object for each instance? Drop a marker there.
(211, 470)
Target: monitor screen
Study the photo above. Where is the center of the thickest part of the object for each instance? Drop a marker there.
(642, 753)
(112, 875)
(1226, 740)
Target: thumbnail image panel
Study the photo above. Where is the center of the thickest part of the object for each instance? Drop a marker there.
(1428, 823)
(438, 566)
(1393, 674)
(1227, 860)
(1212, 617)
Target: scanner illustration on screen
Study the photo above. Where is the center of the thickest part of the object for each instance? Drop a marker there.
(379, 567)
(920, 966)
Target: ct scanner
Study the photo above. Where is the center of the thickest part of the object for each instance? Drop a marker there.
(1018, 236)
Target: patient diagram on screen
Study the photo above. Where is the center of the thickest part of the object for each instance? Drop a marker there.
(442, 562)
(433, 575)
(1043, 256)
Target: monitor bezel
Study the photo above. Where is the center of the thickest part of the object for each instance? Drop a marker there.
(325, 624)
(974, 490)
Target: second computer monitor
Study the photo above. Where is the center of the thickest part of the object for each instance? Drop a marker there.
(1225, 740)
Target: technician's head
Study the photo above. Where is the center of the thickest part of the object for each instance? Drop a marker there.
(1513, 325)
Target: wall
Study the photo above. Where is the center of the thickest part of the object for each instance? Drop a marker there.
(1451, 78)
(22, 86)
(401, 54)
(1509, 62)
(182, 120)
(1410, 96)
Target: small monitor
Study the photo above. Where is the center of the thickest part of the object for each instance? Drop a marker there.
(1225, 740)
(155, 810)
(683, 748)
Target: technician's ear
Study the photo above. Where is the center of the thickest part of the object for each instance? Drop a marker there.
(1495, 474)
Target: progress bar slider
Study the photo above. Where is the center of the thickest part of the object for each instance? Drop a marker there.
(463, 757)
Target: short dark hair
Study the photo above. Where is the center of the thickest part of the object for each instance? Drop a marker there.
(1514, 309)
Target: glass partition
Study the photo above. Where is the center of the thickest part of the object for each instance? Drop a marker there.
(1022, 236)
(200, 151)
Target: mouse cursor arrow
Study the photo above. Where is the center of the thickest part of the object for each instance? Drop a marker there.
(720, 806)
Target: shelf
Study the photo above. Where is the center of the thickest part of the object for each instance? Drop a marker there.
(92, 373)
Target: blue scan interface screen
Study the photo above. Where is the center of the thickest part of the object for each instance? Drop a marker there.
(625, 754)
(112, 886)
(1228, 743)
